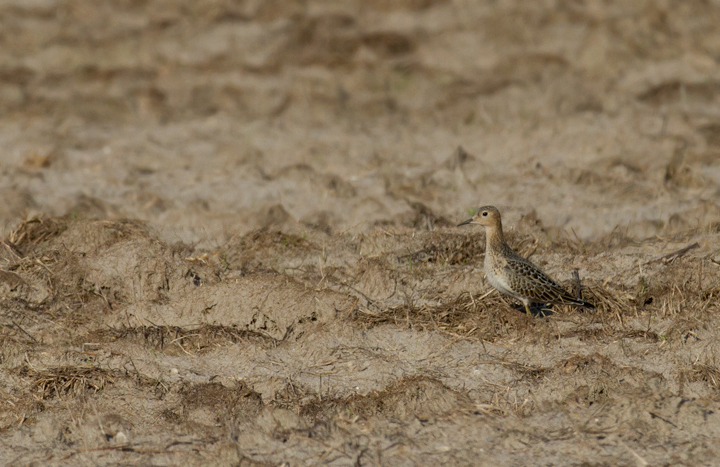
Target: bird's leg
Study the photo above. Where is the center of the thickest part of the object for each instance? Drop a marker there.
(527, 307)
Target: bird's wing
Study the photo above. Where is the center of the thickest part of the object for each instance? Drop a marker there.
(528, 280)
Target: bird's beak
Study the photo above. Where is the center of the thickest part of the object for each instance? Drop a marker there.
(466, 222)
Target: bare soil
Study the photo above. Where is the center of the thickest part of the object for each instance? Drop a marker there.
(228, 232)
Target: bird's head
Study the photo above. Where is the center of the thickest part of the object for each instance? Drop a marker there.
(486, 215)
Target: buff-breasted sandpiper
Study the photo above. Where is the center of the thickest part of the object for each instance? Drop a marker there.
(513, 275)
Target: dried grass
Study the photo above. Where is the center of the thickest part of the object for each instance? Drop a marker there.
(68, 381)
(185, 340)
(230, 403)
(16, 408)
(617, 238)
(35, 231)
(476, 317)
(264, 250)
(707, 372)
(416, 396)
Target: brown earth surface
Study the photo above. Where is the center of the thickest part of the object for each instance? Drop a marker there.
(228, 232)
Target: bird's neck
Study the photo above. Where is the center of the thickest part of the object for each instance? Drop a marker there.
(494, 238)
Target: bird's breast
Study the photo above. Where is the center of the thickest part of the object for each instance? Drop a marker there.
(494, 270)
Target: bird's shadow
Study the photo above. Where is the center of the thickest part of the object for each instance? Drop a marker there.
(541, 310)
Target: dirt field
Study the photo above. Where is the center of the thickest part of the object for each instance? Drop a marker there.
(228, 232)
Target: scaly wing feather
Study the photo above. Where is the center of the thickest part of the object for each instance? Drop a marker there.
(529, 281)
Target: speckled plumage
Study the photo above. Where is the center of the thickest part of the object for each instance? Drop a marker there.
(513, 275)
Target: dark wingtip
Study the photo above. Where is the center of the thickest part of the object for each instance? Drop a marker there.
(578, 302)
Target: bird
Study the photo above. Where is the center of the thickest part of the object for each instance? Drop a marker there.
(513, 275)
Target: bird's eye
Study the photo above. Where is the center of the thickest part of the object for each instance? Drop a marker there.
(485, 214)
